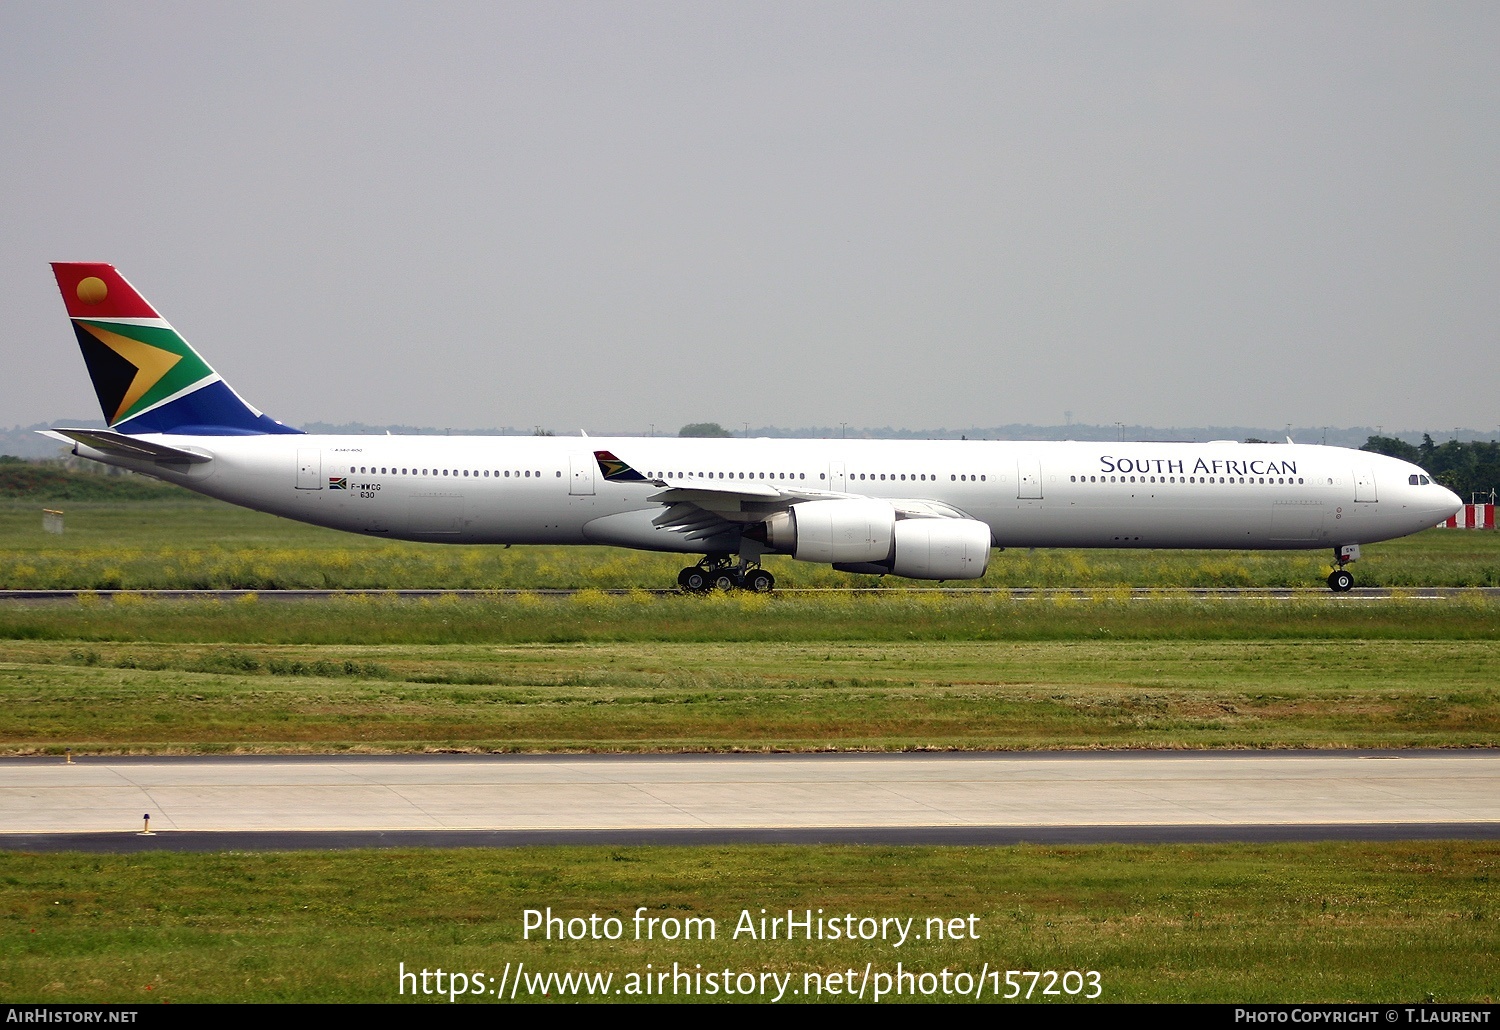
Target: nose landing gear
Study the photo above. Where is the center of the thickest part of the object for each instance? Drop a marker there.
(1341, 580)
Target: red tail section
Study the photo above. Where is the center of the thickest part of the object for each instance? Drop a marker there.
(93, 290)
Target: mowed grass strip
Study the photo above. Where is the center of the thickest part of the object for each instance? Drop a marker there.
(593, 616)
(195, 543)
(143, 698)
(1206, 923)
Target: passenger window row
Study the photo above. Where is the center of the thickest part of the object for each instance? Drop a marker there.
(382, 470)
(1250, 480)
(729, 475)
(913, 477)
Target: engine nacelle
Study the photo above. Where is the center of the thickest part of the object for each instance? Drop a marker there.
(863, 535)
(941, 548)
(853, 530)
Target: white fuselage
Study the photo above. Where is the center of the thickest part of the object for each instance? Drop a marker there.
(536, 490)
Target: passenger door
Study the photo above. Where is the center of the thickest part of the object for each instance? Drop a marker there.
(1028, 478)
(309, 468)
(582, 483)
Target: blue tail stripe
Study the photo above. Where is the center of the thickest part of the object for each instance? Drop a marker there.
(213, 410)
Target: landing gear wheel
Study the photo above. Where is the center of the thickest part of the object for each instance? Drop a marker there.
(725, 580)
(759, 581)
(1340, 581)
(693, 579)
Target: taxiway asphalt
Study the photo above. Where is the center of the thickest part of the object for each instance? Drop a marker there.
(460, 800)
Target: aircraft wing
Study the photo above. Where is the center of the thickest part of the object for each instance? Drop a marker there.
(118, 445)
(704, 511)
(708, 508)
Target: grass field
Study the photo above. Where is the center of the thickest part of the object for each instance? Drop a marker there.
(892, 669)
(630, 673)
(207, 544)
(590, 615)
(1209, 923)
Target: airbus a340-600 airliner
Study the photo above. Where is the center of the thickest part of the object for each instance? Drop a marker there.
(920, 509)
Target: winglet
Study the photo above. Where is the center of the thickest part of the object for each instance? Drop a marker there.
(617, 471)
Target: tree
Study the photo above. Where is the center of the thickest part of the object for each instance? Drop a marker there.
(712, 429)
(1394, 448)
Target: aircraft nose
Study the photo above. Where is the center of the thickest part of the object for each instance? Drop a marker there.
(1451, 502)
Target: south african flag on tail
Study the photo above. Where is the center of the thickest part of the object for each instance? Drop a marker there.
(147, 378)
(616, 471)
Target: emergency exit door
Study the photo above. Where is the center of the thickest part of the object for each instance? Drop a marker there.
(836, 480)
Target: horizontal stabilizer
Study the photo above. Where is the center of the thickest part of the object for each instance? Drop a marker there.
(118, 445)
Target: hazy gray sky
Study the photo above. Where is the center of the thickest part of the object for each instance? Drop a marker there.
(912, 214)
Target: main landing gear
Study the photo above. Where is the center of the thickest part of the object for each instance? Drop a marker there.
(719, 573)
(1341, 580)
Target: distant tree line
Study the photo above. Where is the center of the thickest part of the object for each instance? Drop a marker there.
(704, 429)
(1465, 468)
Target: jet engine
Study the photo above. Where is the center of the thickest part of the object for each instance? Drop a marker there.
(941, 549)
(853, 530)
(864, 535)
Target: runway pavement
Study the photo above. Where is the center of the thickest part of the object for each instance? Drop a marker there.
(36, 597)
(227, 802)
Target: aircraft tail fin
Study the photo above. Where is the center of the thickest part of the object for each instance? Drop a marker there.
(148, 379)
